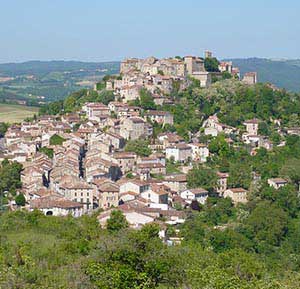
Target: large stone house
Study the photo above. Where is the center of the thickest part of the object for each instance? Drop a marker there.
(77, 190)
(94, 110)
(125, 160)
(129, 93)
(238, 195)
(161, 117)
(179, 152)
(108, 194)
(133, 128)
(194, 64)
(252, 126)
(133, 185)
(56, 205)
(176, 182)
(213, 126)
(222, 182)
(250, 78)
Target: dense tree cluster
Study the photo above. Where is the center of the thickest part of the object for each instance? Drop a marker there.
(56, 140)
(10, 176)
(211, 64)
(234, 102)
(38, 251)
(3, 128)
(140, 147)
(76, 100)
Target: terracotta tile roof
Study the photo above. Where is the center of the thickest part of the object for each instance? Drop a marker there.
(252, 121)
(238, 190)
(222, 175)
(278, 180)
(54, 201)
(198, 191)
(176, 178)
(136, 120)
(108, 186)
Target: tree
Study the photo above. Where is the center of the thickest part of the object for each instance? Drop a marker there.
(116, 222)
(20, 200)
(106, 97)
(219, 210)
(291, 170)
(146, 99)
(47, 151)
(219, 146)
(267, 225)
(195, 205)
(263, 128)
(70, 103)
(211, 64)
(56, 140)
(193, 229)
(200, 176)
(140, 147)
(239, 175)
(3, 128)
(10, 176)
(226, 75)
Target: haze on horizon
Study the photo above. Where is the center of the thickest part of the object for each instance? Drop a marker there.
(94, 30)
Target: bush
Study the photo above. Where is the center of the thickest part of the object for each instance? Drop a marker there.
(56, 140)
(20, 200)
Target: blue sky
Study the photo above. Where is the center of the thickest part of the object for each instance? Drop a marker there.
(96, 30)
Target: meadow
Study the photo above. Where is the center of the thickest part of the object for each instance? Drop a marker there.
(12, 113)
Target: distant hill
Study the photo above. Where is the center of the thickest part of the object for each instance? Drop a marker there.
(39, 68)
(37, 82)
(282, 73)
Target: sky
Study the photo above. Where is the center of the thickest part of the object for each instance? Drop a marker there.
(96, 30)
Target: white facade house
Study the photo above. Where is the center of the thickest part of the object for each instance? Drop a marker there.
(200, 152)
(277, 183)
(135, 186)
(179, 152)
(157, 197)
(252, 126)
(198, 194)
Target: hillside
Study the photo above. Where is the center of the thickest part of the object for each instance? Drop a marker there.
(16, 113)
(40, 68)
(282, 73)
(37, 82)
(246, 245)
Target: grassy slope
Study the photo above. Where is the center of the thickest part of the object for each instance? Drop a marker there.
(15, 113)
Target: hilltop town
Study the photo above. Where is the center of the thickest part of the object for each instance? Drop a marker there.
(126, 153)
(176, 172)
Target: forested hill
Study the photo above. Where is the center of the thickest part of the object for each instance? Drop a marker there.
(282, 73)
(40, 68)
(38, 82)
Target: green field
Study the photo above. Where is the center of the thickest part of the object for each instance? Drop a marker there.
(16, 113)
